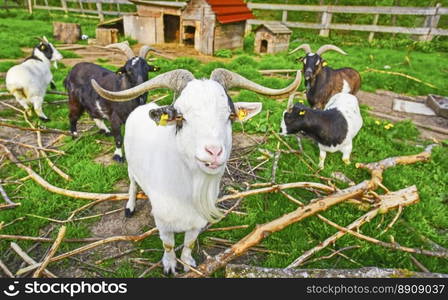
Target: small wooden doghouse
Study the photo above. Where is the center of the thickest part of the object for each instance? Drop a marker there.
(272, 38)
(206, 25)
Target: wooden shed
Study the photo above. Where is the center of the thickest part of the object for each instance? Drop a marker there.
(206, 25)
(272, 38)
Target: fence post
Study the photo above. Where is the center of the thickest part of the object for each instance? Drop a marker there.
(30, 7)
(64, 6)
(325, 22)
(99, 7)
(375, 21)
(285, 16)
(431, 22)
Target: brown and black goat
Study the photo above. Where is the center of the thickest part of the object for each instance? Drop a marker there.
(82, 96)
(321, 81)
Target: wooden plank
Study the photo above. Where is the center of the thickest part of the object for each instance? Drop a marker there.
(103, 1)
(388, 10)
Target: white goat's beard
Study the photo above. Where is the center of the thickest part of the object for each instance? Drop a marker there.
(205, 194)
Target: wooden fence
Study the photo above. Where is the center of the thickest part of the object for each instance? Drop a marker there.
(81, 7)
(427, 31)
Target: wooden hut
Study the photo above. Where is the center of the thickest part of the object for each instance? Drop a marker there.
(206, 25)
(156, 22)
(272, 38)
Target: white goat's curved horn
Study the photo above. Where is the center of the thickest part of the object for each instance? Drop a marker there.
(124, 47)
(175, 80)
(144, 50)
(305, 47)
(326, 48)
(46, 40)
(229, 79)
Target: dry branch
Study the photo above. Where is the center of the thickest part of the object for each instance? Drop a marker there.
(130, 238)
(44, 130)
(401, 198)
(8, 206)
(245, 271)
(399, 74)
(45, 239)
(5, 196)
(394, 246)
(29, 260)
(74, 194)
(51, 253)
(6, 270)
(32, 147)
(212, 264)
(279, 187)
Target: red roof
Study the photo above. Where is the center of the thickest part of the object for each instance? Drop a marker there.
(229, 11)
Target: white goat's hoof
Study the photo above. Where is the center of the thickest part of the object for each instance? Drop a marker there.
(346, 161)
(45, 119)
(188, 260)
(169, 263)
(128, 212)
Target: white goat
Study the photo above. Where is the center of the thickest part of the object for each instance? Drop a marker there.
(28, 81)
(179, 166)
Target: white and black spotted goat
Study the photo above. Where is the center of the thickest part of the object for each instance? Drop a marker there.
(82, 97)
(180, 165)
(321, 81)
(28, 81)
(333, 128)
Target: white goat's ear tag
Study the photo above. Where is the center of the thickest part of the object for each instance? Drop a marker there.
(325, 63)
(246, 110)
(302, 112)
(242, 114)
(164, 119)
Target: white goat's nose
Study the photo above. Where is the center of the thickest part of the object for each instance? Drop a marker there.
(214, 150)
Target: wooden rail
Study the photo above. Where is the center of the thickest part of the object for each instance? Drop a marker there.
(427, 31)
(99, 11)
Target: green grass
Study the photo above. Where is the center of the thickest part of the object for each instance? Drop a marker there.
(374, 142)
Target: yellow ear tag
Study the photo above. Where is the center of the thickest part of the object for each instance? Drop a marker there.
(324, 64)
(302, 112)
(301, 101)
(242, 113)
(164, 119)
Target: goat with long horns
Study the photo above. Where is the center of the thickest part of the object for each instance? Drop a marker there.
(82, 97)
(321, 81)
(178, 153)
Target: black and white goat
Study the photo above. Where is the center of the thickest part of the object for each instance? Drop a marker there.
(28, 81)
(323, 82)
(332, 128)
(82, 96)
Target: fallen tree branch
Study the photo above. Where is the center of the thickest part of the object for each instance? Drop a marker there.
(6, 270)
(212, 264)
(399, 74)
(44, 130)
(74, 194)
(129, 238)
(32, 147)
(394, 246)
(28, 259)
(245, 271)
(401, 198)
(51, 253)
(6, 198)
